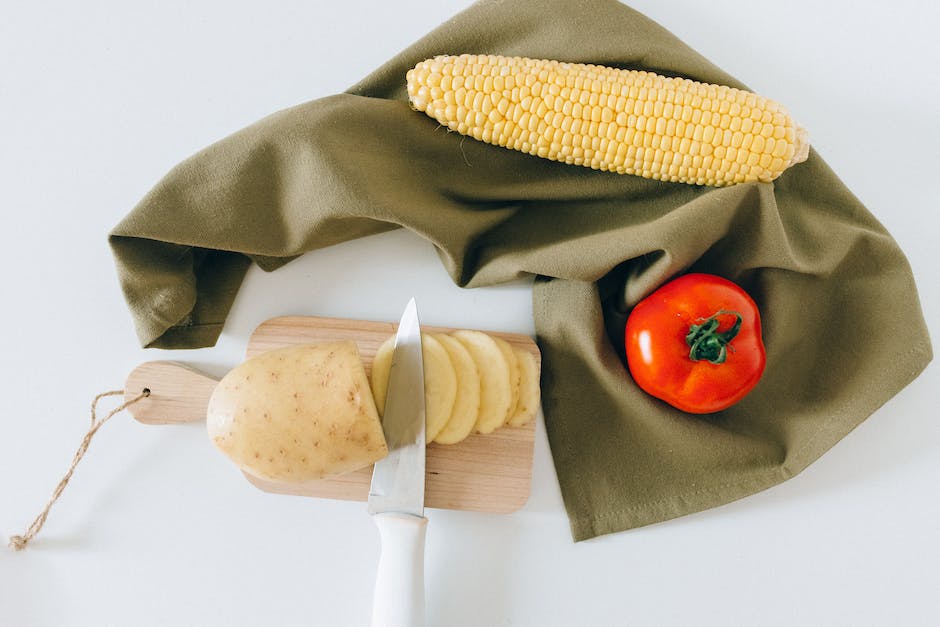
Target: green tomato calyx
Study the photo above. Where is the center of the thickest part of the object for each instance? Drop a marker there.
(706, 343)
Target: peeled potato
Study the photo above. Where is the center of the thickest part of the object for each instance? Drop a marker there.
(440, 382)
(529, 390)
(514, 375)
(463, 417)
(495, 386)
(297, 414)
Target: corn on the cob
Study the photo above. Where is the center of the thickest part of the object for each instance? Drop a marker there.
(624, 121)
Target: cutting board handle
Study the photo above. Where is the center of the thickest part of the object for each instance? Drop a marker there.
(178, 393)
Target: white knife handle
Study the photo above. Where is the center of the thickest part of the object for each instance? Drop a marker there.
(399, 583)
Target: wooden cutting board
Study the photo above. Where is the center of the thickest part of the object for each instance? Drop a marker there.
(485, 473)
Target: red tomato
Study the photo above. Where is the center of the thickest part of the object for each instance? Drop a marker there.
(696, 343)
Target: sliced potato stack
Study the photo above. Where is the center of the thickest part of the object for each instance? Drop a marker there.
(474, 382)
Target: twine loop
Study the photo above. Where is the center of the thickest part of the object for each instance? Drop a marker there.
(18, 543)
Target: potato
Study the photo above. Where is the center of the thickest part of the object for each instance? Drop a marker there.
(514, 375)
(463, 417)
(495, 385)
(381, 365)
(529, 390)
(440, 382)
(492, 379)
(297, 414)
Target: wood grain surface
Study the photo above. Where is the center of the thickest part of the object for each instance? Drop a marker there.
(486, 473)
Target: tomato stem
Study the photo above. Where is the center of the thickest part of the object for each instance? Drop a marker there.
(705, 343)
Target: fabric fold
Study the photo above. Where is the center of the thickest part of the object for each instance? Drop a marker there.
(829, 280)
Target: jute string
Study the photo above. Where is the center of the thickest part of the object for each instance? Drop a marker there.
(18, 543)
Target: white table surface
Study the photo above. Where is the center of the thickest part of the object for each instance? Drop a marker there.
(99, 99)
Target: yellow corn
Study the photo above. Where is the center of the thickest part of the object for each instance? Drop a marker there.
(624, 121)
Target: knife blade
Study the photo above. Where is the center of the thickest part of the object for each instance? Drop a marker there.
(396, 495)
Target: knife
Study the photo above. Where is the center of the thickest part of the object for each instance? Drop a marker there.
(396, 496)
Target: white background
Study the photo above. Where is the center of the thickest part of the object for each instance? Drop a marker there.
(99, 99)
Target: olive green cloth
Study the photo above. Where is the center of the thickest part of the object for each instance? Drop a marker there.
(842, 322)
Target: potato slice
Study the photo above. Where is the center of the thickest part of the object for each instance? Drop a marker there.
(514, 375)
(381, 366)
(297, 414)
(440, 385)
(529, 390)
(440, 382)
(467, 403)
(495, 388)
